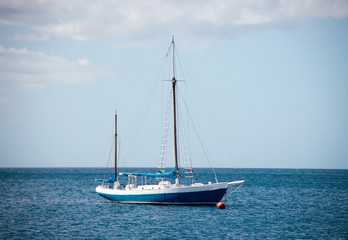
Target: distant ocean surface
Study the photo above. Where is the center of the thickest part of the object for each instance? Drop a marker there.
(61, 203)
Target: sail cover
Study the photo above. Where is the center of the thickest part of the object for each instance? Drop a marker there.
(110, 180)
(154, 175)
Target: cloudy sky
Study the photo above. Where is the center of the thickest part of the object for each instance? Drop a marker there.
(273, 74)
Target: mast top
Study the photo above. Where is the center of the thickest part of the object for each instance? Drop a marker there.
(173, 46)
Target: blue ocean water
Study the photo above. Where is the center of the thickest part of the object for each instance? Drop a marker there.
(61, 203)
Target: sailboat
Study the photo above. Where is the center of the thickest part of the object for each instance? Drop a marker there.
(169, 190)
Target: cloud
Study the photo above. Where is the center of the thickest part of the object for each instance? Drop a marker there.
(24, 69)
(82, 20)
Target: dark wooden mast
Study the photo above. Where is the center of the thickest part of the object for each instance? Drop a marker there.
(174, 115)
(116, 146)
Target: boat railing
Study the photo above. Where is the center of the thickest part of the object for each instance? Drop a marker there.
(132, 182)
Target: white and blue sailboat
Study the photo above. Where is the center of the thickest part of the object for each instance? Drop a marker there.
(169, 189)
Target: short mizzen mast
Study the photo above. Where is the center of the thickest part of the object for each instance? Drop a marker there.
(116, 146)
(174, 109)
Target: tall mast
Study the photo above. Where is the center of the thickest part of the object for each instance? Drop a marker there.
(174, 115)
(116, 145)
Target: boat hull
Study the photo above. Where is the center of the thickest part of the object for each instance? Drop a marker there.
(196, 195)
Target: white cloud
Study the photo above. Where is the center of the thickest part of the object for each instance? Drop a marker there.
(81, 20)
(24, 69)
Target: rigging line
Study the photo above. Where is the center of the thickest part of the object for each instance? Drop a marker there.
(119, 152)
(219, 132)
(107, 170)
(165, 125)
(133, 136)
(122, 157)
(107, 147)
(178, 127)
(162, 119)
(184, 140)
(182, 72)
(165, 128)
(184, 147)
(170, 46)
(141, 124)
(226, 195)
(199, 139)
(212, 119)
(160, 165)
(180, 60)
(188, 131)
(178, 57)
(147, 96)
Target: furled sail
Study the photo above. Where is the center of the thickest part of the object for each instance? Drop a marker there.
(110, 180)
(171, 174)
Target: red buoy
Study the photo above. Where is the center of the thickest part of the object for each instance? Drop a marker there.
(221, 205)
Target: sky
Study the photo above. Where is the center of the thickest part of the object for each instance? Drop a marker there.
(273, 76)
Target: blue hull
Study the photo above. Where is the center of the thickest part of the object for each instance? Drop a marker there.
(187, 198)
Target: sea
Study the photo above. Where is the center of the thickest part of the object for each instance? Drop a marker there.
(61, 203)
